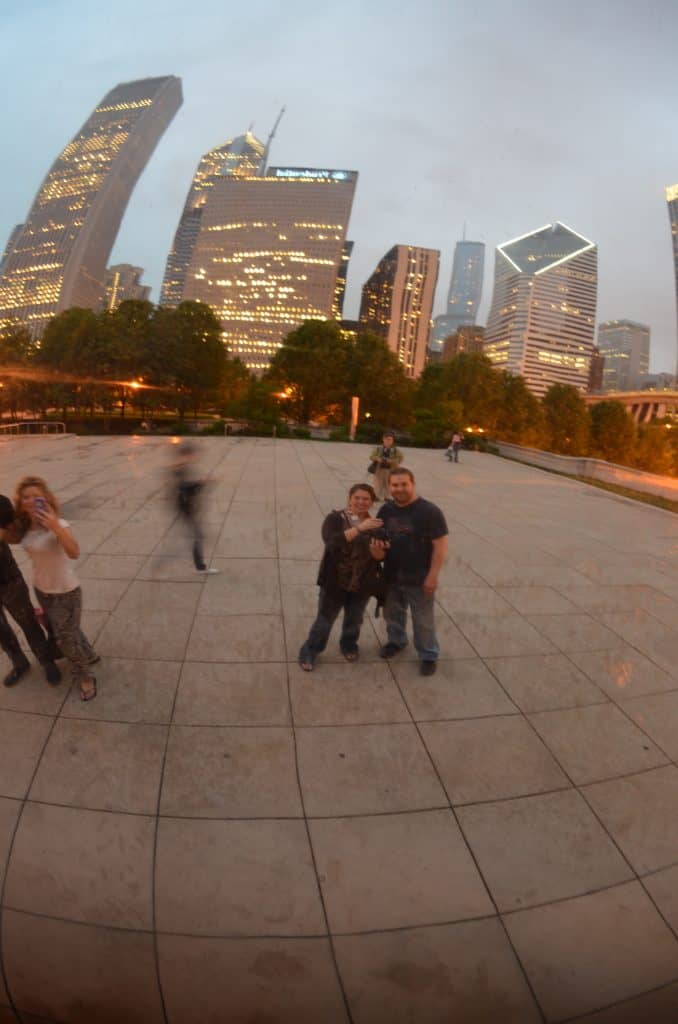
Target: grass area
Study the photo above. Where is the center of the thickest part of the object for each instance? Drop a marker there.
(625, 492)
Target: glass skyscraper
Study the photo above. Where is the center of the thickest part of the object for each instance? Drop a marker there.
(672, 200)
(463, 297)
(625, 346)
(542, 320)
(58, 258)
(241, 157)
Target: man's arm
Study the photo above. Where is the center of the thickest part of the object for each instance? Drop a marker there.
(437, 558)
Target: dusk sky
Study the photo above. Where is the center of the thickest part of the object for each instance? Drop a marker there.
(501, 115)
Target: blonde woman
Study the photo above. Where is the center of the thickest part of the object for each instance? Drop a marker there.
(52, 547)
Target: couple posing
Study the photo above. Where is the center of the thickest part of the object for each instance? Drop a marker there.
(401, 551)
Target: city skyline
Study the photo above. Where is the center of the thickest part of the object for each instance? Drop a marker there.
(536, 140)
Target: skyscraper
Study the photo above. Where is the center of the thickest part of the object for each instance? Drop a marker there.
(542, 319)
(340, 287)
(672, 200)
(241, 157)
(59, 258)
(268, 254)
(123, 282)
(467, 338)
(626, 348)
(463, 297)
(397, 301)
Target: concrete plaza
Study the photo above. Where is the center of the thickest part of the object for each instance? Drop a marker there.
(220, 838)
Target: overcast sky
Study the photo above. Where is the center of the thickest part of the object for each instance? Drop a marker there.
(505, 115)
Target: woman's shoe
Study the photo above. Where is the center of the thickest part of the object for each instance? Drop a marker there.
(91, 693)
(351, 655)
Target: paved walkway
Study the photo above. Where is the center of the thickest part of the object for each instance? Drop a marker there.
(219, 837)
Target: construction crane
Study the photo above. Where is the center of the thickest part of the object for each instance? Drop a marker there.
(264, 159)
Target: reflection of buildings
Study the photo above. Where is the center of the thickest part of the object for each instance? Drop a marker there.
(625, 346)
(11, 241)
(59, 257)
(467, 338)
(268, 253)
(123, 282)
(240, 157)
(340, 287)
(397, 301)
(463, 298)
(596, 369)
(542, 320)
(672, 200)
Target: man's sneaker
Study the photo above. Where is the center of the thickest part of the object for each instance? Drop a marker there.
(390, 649)
(427, 668)
(207, 572)
(13, 677)
(52, 673)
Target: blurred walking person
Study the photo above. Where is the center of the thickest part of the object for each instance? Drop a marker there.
(189, 485)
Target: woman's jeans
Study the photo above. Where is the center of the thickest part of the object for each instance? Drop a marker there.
(330, 603)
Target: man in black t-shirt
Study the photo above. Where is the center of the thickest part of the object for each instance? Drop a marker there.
(416, 546)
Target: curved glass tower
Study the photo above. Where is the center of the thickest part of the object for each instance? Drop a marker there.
(241, 157)
(58, 258)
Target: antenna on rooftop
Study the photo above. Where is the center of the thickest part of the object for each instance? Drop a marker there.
(264, 159)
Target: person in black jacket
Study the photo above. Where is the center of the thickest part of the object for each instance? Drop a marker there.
(15, 598)
(349, 573)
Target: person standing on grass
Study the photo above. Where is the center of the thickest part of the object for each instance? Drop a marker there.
(15, 599)
(348, 575)
(386, 457)
(417, 537)
(52, 547)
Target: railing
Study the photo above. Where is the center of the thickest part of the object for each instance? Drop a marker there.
(29, 428)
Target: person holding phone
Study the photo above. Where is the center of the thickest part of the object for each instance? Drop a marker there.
(52, 547)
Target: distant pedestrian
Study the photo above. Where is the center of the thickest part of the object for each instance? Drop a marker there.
(382, 460)
(16, 599)
(417, 534)
(52, 547)
(189, 485)
(455, 444)
(349, 574)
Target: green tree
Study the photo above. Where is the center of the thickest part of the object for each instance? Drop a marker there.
(310, 369)
(376, 376)
(612, 432)
(17, 350)
(186, 355)
(436, 425)
(470, 379)
(657, 448)
(520, 417)
(567, 421)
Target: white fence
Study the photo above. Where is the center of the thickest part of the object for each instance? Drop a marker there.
(596, 469)
(31, 428)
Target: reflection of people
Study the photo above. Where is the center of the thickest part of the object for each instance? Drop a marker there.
(417, 532)
(51, 547)
(387, 457)
(15, 598)
(347, 577)
(455, 444)
(189, 485)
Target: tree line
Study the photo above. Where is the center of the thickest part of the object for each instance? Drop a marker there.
(158, 359)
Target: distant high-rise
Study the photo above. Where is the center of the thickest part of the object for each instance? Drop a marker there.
(463, 297)
(241, 157)
(596, 370)
(397, 301)
(59, 258)
(11, 242)
(626, 348)
(542, 320)
(340, 287)
(672, 200)
(466, 338)
(268, 254)
(123, 282)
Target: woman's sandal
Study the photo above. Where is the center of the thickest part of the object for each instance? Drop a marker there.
(350, 655)
(91, 693)
(307, 666)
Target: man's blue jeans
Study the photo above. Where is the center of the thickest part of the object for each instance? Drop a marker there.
(399, 598)
(330, 603)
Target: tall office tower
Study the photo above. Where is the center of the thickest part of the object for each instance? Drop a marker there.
(596, 370)
(626, 348)
(268, 254)
(59, 259)
(672, 200)
(241, 157)
(11, 242)
(122, 282)
(340, 287)
(397, 301)
(542, 319)
(463, 297)
(467, 338)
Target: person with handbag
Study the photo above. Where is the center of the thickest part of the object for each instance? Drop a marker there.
(349, 574)
(383, 459)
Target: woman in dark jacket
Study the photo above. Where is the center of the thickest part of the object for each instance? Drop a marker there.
(349, 573)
